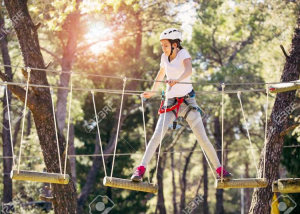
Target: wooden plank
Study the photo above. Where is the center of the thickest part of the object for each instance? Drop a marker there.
(43, 177)
(283, 87)
(288, 185)
(241, 183)
(130, 185)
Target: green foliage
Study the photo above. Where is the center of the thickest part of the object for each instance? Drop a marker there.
(231, 41)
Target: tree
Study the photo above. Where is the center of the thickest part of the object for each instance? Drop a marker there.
(39, 102)
(7, 146)
(261, 199)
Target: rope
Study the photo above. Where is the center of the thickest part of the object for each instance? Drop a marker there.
(129, 154)
(68, 132)
(223, 86)
(98, 130)
(251, 146)
(161, 136)
(266, 127)
(10, 130)
(145, 134)
(137, 79)
(23, 122)
(58, 150)
(116, 142)
(129, 92)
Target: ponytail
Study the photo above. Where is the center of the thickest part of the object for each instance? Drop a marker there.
(178, 44)
(177, 41)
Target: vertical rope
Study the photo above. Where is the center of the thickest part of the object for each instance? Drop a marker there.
(24, 114)
(208, 163)
(266, 129)
(145, 134)
(116, 142)
(162, 131)
(251, 146)
(68, 132)
(10, 130)
(98, 130)
(58, 150)
(223, 86)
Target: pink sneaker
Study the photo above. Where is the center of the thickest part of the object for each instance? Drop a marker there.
(138, 174)
(226, 175)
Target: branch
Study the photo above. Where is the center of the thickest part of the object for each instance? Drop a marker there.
(288, 129)
(230, 127)
(19, 91)
(147, 7)
(189, 156)
(14, 72)
(51, 53)
(85, 47)
(47, 66)
(24, 73)
(126, 34)
(199, 186)
(36, 27)
(175, 139)
(246, 135)
(214, 45)
(285, 54)
(239, 47)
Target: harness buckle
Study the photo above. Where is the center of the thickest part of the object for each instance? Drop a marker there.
(174, 126)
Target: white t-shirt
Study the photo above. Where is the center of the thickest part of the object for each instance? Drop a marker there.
(174, 69)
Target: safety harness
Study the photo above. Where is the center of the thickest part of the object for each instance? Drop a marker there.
(175, 107)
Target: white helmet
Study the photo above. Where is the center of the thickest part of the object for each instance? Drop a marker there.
(171, 33)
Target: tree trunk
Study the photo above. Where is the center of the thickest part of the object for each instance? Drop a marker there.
(183, 179)
(161, 202)
(7, 148)
(262, 197)
(17, 129)
(69, 49)
(205, 186)
(39, 102)
(72, 152)
(28, 123)
(137, 73)
(173, 182)
(247, 191)
(219, 192)
(160, 206)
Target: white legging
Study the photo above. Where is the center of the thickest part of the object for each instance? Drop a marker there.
(195, 122)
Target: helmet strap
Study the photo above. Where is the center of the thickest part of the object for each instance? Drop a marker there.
(172, 48)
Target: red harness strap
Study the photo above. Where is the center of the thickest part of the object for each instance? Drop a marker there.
(162, 110)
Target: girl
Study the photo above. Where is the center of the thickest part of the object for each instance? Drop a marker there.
(176, 64)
